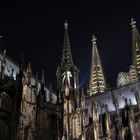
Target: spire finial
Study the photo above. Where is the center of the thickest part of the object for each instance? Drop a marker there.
(66, 24)
(43, 77)
(133, 22)
(93, 39)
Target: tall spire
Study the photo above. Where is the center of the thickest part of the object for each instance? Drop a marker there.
(97, 82)
(66, 55)
(135, 47)
(68, 69)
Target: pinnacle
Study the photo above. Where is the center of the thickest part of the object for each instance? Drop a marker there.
(4, 52)
(43, 77)
(133, 22)
(93, 38)
(29, 70)
(66, 25)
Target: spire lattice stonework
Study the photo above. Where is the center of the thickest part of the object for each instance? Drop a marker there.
(97, 83)
(67, 68)
(135, 47)
(66, 55)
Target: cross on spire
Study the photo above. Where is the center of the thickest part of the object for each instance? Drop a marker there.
(93, 39)
(133, 22)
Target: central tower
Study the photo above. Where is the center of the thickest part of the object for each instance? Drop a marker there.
(67, 86)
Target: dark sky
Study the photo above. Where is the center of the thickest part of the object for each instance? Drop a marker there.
(36, 30)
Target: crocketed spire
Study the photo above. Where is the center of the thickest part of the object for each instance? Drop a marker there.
(66, 55)
(97, 82)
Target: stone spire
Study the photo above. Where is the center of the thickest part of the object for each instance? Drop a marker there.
(67, 71)
(43, 77)
(66, 55)
(29, 69)
(135, 47)
(3, 65)
(28, 74)
(97, 83)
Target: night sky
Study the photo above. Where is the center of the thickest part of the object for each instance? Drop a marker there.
(36, 30)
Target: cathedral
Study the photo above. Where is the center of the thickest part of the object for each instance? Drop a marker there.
(30, 110)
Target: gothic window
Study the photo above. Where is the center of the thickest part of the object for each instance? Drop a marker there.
(67, 75)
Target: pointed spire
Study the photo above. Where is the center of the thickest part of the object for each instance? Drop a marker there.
(1, 42)
(28, 75)
(21, 63)
(4, 57)
(3, 64)
(66, 25)
(19, 77)
(66, 55)
(93, 40)
(97, 83)
(50, 93)
(133, 23)
(29, 70)
(135, 47)
(43, 78)
(36, 79)
(12, 74)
